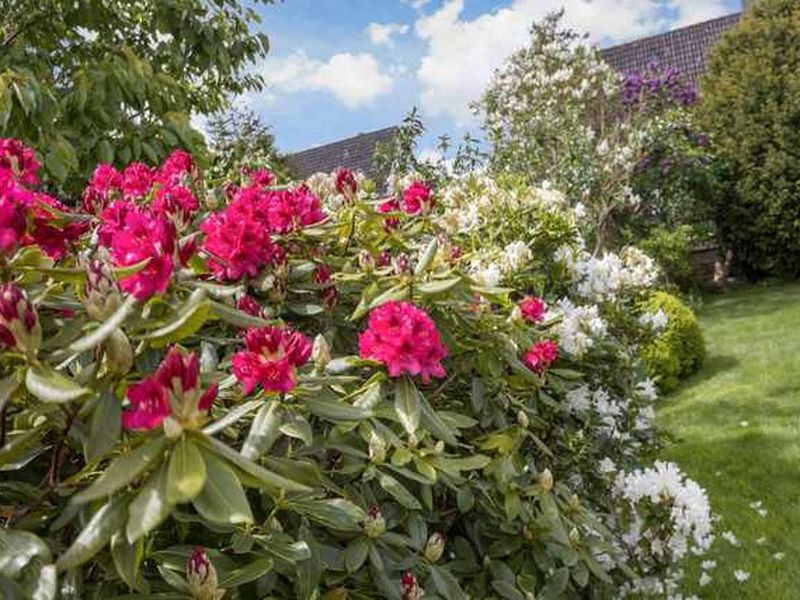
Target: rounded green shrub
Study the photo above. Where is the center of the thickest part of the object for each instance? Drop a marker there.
(680, 349)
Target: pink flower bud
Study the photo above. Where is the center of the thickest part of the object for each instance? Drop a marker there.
(409, 588)
(202, 576)
(101, 290)
(374, 524)
(19, 322)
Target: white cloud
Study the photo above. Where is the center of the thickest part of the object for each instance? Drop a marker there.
(354, 79)
(418, 4)
(381, 33)
(462, 54)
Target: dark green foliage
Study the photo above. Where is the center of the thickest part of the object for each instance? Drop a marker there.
(680, 349)
(114, 81)
(751, 105)
(671, 249)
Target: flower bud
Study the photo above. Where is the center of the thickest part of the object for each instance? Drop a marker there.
(374, 525)
(365, 260)
(546, 480)
(101, 291)
(320, 353)
(434, 548)
(402, 264)
(119, 352)
(202, 576)
(574, 502)
(438, 447)
(377, 448)
(19, 322)
(409, 588)
(522, 419)
(384, 258)
(574, 536)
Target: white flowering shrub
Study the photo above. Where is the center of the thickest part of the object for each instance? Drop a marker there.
(312, 390)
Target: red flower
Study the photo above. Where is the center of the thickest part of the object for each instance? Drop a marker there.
(237, 239)
(404, 338)
(346, 183)
(271, 357)
(177, 169)
(104, 186)
(417, 198)
(260, 177)
(532, 309)
(53, 239)
(328, 293)
(135, 234)
(176, 200)
(137, 180)
(390, 206)
(14, 203)
(173, 390)
(20, 161)
(248, 304)
(290, 210)
(541, 356)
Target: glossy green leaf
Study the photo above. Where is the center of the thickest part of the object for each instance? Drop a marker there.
(109, 519)
(399, 492)
(149, 508)
(355, 554)
(232, 416)
(124, 469)
(446, 583)
(127, 559)
(247, 573)
(186, 473)
(436, 286)
(105, 426)
(17, 549)
(236, 317)
(336, 411)
(105, 329)
(222, 499)
(406, 404)
(298, 428)
(48, 385)
(190, 318)
(264, 431)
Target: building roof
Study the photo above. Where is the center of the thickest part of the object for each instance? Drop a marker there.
(354, 153)
(685, 49)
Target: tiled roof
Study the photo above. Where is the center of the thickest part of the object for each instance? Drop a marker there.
(354, 153)
(685, 49)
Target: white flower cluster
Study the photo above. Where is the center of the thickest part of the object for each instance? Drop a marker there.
(656, 321)
(607, 277)
(323, 185)
(690, 522)
(580, 326)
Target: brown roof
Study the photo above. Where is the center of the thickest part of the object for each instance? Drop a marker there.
(685, 49)
(354, 153)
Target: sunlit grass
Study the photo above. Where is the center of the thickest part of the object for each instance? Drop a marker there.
(735, 427)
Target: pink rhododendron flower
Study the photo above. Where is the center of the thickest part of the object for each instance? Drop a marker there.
(173, 390)
(404, 338)
(533, 309)
(290, 210)
(390, 206)
(328, 293)
(346, 183)
(541, 356)
(417, 198)
(260, 177)
(176, 200)
(14, 203)
(133, 235)
(271, 358)
(52, 238)
(237, 239)
(104, 186)
(20, 161)
(137, 180)
(177, 169)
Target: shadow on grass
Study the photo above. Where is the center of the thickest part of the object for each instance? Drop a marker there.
(713, 366)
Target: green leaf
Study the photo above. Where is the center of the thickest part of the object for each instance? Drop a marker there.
(398, 292)
(98, 531)
(249, 572)
(298, 428)
(45, 586)
(17, 549)
(55, 166)
(48, 385)
(190, 318)
(555, 586)
(232, 416)
(149, 508)
(123, 470)
(127, 559)
(271, 480)
(446, 583)
(284, 548)
(237, 317)
(336, 513)
(264, 431)
(222, 499)
(186, 473)
(98, 336)
(336, 411)
(427, 257)
(399, 492)
(105, 427)
(306, 309)
(9, 385)
(437, 286)
(434, 423)
(355, 554)
(507, 590)
(406, 404)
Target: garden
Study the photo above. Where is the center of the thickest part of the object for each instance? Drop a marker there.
(491, 377)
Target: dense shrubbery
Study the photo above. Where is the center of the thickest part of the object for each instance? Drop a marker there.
(337, 394)
(751, 105)
(679, 350)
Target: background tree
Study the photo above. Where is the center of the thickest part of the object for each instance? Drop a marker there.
(117, 80)
(240, 139)
(751, 106)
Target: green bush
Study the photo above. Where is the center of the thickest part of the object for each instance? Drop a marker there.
(680, 350)
(751, 107)
(672, 249)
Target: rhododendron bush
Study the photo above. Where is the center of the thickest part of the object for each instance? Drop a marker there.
(242, 389)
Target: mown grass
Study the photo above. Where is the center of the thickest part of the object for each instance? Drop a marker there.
(735, 428)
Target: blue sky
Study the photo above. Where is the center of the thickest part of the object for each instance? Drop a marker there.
(341, 67)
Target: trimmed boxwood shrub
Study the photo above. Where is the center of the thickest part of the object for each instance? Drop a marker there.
(680, 349)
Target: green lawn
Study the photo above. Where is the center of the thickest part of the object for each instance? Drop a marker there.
(735, 428)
